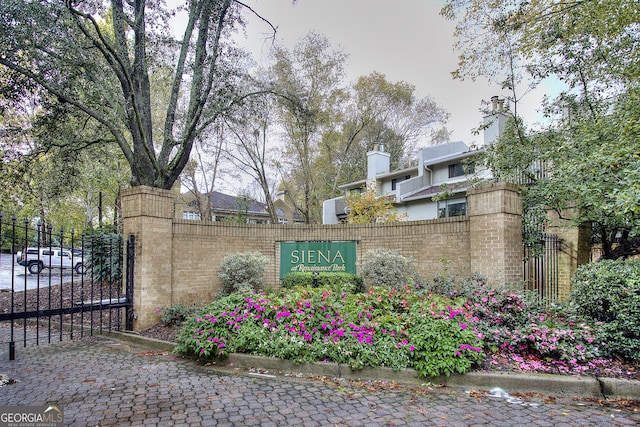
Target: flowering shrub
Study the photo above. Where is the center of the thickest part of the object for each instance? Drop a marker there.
(399, 328)
(517, 324)
(392, 328)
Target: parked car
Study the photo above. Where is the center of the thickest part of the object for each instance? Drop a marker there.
(38, 259)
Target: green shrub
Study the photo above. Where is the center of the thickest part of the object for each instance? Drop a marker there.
(242, 270)
(346, 282)
(176, 314)
(103, 257)
(386, 267)
(297, 280)
(608, 292)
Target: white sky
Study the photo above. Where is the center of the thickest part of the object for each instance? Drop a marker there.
(403, 39)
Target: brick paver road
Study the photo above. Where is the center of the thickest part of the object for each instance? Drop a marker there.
(101, 382)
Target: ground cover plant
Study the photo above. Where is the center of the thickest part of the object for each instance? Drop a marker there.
(535, 334)
(449, 325)
(383, 327)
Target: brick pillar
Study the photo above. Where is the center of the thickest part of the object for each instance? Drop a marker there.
(495, 222)
(148, 214)
(575, 247)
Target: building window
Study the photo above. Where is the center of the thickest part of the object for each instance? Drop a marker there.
(191, 215)
(460, 169)
(452, 207)
(397, 180)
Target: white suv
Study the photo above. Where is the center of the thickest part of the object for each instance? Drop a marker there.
(37, 259)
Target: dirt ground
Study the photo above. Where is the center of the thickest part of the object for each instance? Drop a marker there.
(55, 297)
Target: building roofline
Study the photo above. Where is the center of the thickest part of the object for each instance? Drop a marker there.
(435, 190)
(453, 156)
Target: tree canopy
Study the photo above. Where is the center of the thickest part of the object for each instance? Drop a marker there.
(115, 68)
(586, 157)
(109, 78)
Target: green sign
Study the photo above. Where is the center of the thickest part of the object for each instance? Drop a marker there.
(320, 257)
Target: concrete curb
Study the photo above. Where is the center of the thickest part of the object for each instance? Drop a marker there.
(548, 384)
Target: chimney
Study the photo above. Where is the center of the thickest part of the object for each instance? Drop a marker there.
(378, 163)
(494, 103)
(494, 121)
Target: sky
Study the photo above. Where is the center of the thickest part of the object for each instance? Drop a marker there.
(406, 40)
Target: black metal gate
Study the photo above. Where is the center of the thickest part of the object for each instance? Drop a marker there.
(56, 285)
(541, 266)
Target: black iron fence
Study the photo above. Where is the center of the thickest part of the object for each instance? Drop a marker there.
(60, 285)
(540, 270)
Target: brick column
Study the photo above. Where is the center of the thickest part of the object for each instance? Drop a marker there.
(148, 214)
(495, 222)
(575, 247)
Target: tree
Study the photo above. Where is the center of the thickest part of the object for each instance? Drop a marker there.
(396, 117)
(250, 151)
(103, 73)
(590, 153)
(367, 207)
(330, 127)
(309, 79)
(201, 173)
(376, 113)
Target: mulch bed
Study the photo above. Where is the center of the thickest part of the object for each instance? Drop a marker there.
(66, 296)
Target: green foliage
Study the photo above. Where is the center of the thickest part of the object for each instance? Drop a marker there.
(177, 314)
(242, 270)
(384, 327)
(608, 292)
(103, 256)
(346, 282)
(387, 267)
(438, 338)
(407, 328)
(100, 98)
(586, 163)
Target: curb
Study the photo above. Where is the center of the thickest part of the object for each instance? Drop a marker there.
(548, 384)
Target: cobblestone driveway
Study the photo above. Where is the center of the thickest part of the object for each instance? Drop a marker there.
(101, 382)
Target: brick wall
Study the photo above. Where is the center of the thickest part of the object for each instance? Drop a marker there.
(177, 260)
